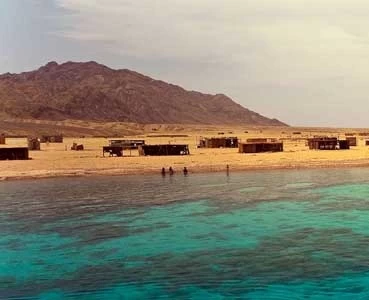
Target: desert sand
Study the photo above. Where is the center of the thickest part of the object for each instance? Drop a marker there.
(58, 160)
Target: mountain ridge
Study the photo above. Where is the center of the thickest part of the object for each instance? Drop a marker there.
(95, 92)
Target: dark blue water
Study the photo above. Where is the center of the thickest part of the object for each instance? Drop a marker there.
(255, 235)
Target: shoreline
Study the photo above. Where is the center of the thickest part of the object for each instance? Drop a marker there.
(202, 169)
(56, 160)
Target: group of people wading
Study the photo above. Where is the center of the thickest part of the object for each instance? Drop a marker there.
(171, 171)
(185, 171)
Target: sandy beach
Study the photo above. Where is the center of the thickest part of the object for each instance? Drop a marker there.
(58, 160)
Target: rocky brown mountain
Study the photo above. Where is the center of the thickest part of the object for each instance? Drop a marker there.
(94, 92)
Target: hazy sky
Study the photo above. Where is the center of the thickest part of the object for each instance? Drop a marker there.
(303, 62)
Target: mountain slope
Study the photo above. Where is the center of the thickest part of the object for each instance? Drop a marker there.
(90, 91)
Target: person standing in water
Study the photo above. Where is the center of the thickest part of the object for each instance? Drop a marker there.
(163, 171)
(171, 171)
(185, 171)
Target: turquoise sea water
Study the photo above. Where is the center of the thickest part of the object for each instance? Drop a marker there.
(254, 235)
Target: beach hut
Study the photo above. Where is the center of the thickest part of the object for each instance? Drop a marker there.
(222, 142)
(16, 153)
(126, 144)
(77, 147)
(343, 145)
(352, 140)
(261, 140)
(113, 150)
(161, 150)
(260, 147)
(328, 143)
(323, 143)
(257, 140)
(34, 144)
